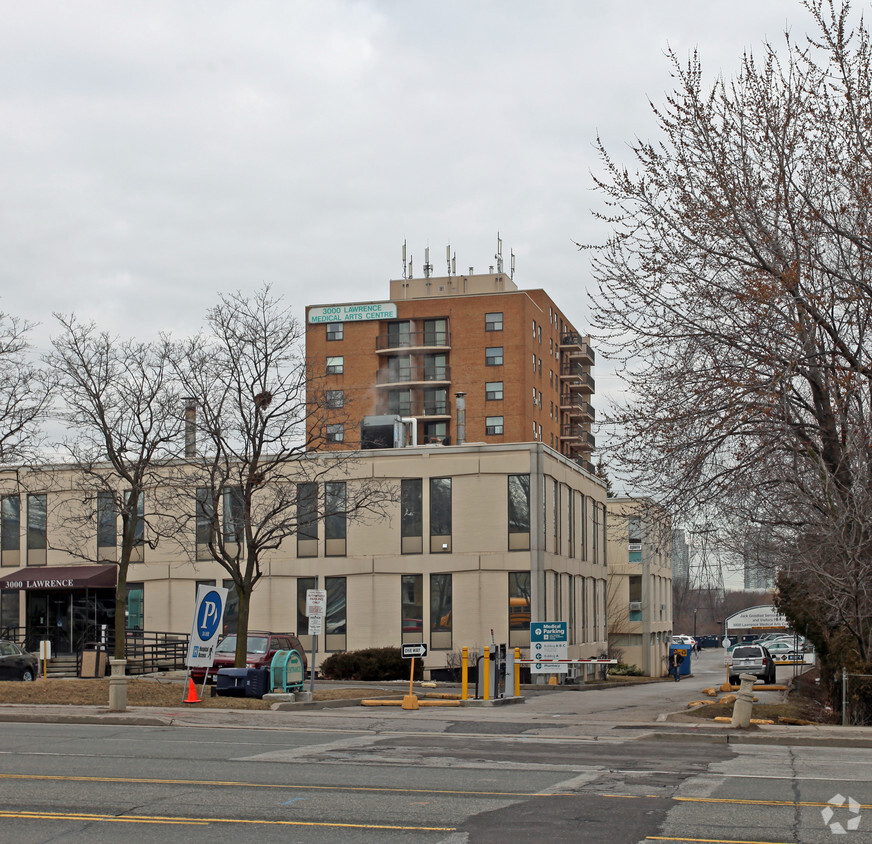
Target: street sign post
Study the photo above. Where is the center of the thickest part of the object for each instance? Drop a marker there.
(316, 609)
(549, 641)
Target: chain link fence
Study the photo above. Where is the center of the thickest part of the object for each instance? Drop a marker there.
(856, 699)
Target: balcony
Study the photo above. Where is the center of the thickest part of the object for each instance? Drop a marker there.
(409, 376)
(577, 348)
(575, 406)
(417, 408)
(415, 340)
(575, 378)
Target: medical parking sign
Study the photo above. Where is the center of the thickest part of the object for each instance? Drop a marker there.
(208, 615)
(548, 642)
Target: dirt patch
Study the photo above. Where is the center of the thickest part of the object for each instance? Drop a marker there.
(143, 691)
(805, 704)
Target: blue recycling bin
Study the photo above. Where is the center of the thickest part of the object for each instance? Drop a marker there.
(686, 652)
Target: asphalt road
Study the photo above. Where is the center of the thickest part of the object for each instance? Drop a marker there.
(553, 770)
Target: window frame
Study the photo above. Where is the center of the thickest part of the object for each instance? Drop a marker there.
(493, 356)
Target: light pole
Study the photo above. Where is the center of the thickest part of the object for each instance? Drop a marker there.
(694, 623)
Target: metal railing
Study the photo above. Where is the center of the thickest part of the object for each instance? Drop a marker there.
(414, 340)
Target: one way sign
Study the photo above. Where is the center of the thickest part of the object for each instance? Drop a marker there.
(410, 651)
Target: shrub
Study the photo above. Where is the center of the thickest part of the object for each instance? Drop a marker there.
(624, 670)
(369, 664)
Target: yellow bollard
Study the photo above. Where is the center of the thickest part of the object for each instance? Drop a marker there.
(485, 687)
(517, 673)
(464, 676)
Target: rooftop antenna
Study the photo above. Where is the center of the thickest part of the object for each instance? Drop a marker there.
(499, 255)
(448, 257)
(404, 259)
(512, 273)
(428, 267)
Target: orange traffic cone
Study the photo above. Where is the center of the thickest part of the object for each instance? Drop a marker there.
(192, 693)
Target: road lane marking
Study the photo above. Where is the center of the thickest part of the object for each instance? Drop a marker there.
(234, 784)
(158, 819)
(383, 790)
(713, 840)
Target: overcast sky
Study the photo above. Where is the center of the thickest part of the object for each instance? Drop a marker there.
(153, 154)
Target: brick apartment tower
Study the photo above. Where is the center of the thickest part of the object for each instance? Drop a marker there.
(522, 367)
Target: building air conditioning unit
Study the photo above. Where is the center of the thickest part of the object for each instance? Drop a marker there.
(635, 546)
(635, 606)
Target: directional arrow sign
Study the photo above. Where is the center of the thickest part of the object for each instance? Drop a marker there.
(410, 651)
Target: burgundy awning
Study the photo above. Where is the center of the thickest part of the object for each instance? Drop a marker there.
(61, 577)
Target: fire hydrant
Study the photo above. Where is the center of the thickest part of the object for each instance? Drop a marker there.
(744, 701)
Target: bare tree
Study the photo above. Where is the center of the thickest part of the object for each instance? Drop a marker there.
(119, 401)
(25, 390)
(255, 467)
(737, 284)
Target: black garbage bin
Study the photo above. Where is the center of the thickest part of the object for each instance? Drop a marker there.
(256, 682)
(231, 682)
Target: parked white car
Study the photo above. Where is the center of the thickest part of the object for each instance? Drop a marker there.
(684, 640)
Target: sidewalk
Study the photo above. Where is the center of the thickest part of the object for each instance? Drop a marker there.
(553, 715)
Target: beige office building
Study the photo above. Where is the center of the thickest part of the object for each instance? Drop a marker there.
(475, 541)
(640, 583)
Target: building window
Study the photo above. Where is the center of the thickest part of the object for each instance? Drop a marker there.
(399, 334)
(493, 425)
(137, 520)
(231, 609)
(493, 356)
(36, 522)
(335, 330)
(440, 515)
(335, 433)
(436, 433)
(335, 365)
(205, 519)
(304, 584)
(493, 391)
(135, 613)
(436, 367)
(519, 512)
(412, 608)
(435, 401)
(440, 611)
(233, 521)
(519, 609)
(534, 364)
(336, 618)
(411, 516)
(10, 604)
(107, 520)
(10, 523)
(534, 329)
(334, 518)
(435, 332)
(400, 402)
(307, 520)
(493, 322)
(335, 399)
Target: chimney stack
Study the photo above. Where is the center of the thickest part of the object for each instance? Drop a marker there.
(460, 410)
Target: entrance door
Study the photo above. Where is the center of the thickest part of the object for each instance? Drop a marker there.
(49, 617)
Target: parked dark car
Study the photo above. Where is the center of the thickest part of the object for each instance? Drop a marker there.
(751, 659)
(262, 647)
(15, 663)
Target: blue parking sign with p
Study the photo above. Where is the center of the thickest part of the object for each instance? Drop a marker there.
(209, 615)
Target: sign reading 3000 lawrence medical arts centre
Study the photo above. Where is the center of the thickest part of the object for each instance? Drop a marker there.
(208, 615)
(353, 313)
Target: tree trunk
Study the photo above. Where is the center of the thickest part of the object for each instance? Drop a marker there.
(242, 626)
(121, 612)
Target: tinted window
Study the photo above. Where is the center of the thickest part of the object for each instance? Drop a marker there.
(747, 652)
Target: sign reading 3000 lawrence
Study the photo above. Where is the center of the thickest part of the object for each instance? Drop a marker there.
(353, 313)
